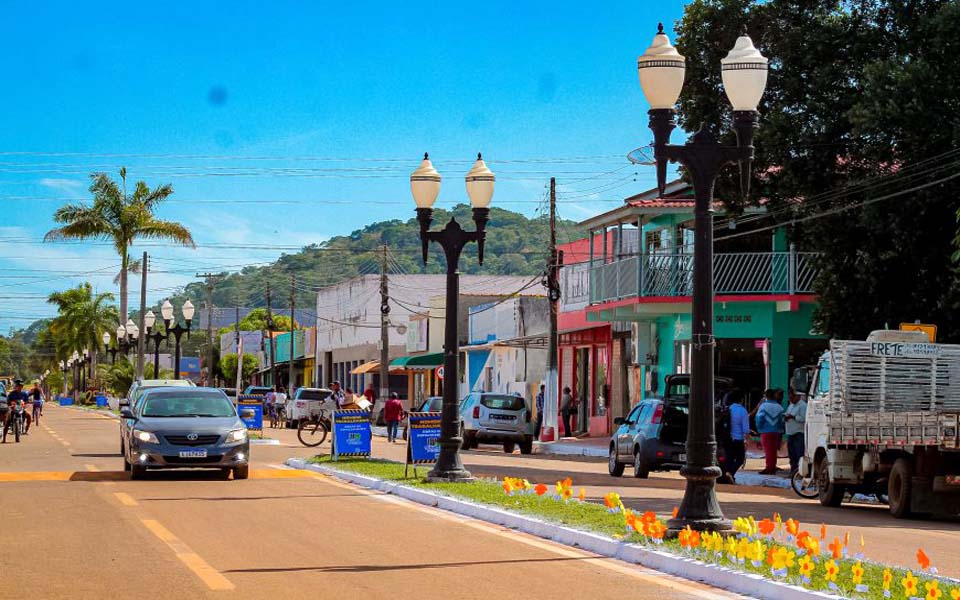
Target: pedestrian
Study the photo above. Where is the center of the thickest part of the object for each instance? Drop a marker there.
(770, 426)
(337, 395)
(393, 414)
(280, 403)
(735, 449)
(794, 420)
(539, 401)
(568, 407)
(371, 395)
(37, 394)
(270, 404)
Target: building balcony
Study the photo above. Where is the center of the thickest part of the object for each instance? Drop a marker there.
(671, 275)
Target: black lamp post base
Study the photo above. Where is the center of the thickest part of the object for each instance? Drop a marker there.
(460, 475)
(700, 509)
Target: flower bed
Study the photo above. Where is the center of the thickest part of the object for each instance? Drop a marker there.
(773, 547)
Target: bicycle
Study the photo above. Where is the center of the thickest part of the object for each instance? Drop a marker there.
(314, 431)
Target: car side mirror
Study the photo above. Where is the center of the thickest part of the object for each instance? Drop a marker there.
(126, 413)
(618, 421)
(247, 413)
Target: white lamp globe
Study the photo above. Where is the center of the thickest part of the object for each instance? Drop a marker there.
(149, 319)
(661, 69)
(188, 310)
(480, 182)
(744, 73)
(425, 184)
(166, 310)
(105, 338)
(121, 332)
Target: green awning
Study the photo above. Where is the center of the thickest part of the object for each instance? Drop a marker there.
(419, 362)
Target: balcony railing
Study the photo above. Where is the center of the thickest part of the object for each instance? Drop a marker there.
(668, 275)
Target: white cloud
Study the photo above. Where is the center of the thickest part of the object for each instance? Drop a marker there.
(66, 186)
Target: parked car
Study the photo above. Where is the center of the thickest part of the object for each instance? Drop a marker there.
(179, 427)
(430, 404)
(230, 392)
(653, 436)
(257, 390)
(496, 418)
(307, 403)
(134, 395)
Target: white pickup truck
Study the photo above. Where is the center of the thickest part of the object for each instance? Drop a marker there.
(883, 418)
(307, 403)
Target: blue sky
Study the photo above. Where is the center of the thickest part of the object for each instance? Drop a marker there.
(240, 103)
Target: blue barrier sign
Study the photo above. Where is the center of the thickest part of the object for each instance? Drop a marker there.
(351, 433)
(256, 421)
(423, 435)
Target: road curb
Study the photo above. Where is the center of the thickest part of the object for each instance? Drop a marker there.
(727, 579)
(95, 411)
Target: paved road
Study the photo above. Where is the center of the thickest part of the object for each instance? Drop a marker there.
(887, 539)
(76, 527)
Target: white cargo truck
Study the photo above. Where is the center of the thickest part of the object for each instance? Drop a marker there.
(882, 419)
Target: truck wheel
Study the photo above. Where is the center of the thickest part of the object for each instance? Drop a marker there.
(898, 488)
(526, 446)
(614, 466)
(830, 494)
(509, 447)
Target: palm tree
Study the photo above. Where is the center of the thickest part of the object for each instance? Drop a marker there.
(120, 218)
(82, 319)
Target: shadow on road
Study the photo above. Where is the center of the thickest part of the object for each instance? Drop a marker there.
(94, 455)
(221, 498)
(410, 567)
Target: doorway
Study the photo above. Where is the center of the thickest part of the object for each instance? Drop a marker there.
(583, 389)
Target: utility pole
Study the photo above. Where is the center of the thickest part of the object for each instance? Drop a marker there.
(142, 338)
(384, 330)
(552, 395)
(293, 304)
(211, 280)
(236, 339)
(273, 350)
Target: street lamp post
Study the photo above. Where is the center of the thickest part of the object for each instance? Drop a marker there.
(425, 186)
(105, 338)
(176, 330)
(149, 320)
(744, 73)
(75, 364)
(84, 374)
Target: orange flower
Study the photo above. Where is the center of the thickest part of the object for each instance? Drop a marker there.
(923, 559)
(689, 538)
(836, 548)
(611, 500)
(676, 511)
(802, 539)
(568, 482)
(793, 527)
(823, 531)
(541, 489)
(846, 539)
(507, 487)
(648, 517)
(583, 495)
(766, 526)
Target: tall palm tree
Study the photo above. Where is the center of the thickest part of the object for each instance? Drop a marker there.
(82, 318)
(120, 218)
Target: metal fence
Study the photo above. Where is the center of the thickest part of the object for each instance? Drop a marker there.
(670, 275)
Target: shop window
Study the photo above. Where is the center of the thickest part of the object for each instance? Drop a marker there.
(601, 388)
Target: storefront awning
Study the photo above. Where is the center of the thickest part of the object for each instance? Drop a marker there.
(366, 367)
(419, 362)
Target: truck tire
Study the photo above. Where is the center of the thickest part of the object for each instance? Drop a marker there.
(526, 446)
(830, 494)
(614, 466)
(898, 488)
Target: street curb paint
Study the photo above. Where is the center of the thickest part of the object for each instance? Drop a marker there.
(265, 442)
(739, 582)
(96, 411)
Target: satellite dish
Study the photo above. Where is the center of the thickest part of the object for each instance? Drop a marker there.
(401, 329)
(641, 156)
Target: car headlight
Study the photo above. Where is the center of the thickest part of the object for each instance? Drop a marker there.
(145, 436)
(237, 435)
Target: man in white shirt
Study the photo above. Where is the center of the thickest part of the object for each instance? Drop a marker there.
(794, 419)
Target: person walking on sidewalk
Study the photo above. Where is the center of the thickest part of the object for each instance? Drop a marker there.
(539, 426)
(568, 407)
(770, 426)
(736, 448)
(794, 420)
(393, 414)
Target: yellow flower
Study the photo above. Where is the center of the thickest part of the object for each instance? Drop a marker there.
(933, 590)
(955, 594)
(782, 558)
(887, 578)
(806, 565)
(831, 569)
(712, 542)
(909, 584)
(857, 571)
(756, 550)
(732, 545)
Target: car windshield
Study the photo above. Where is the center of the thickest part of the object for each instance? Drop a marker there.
(432, 405)
(188, 404)
(503, 402)
(312, 394)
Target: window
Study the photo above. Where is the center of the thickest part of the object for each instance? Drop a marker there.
(503, 402)
(188, 404)
(634, 414)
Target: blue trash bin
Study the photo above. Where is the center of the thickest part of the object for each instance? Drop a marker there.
(102, 401)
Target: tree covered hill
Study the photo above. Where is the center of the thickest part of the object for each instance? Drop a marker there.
(515, 245)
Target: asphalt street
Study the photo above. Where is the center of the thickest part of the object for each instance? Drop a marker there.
(76, 527)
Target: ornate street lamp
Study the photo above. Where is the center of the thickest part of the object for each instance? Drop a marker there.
(744, 74)
(166, 310)
(149, 320)
(425, 186)
(105, 338)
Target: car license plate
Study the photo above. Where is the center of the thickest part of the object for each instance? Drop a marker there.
(499, 417)
(682, 458)
(193, 454)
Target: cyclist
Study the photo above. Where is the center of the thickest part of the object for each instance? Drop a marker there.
(37, 395)
(21, 398)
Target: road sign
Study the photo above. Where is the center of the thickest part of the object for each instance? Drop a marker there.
(351, 433)
(930, 330)
(256, 421)
(423, 435)
(440, 372)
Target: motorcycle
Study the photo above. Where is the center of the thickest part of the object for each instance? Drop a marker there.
(16, 420)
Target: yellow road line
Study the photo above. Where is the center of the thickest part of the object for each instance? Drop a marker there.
(125, 499)
(37, 476)
(635, 571)
(201, 568)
